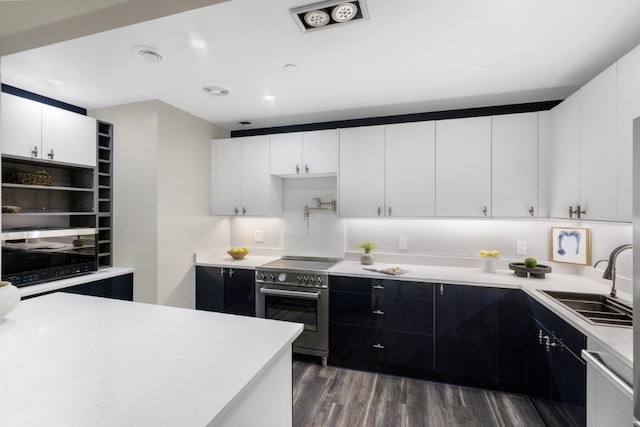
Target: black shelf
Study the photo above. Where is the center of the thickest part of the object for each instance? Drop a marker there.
(47, 187)
(104, 184)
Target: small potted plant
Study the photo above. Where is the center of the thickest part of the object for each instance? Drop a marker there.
(366, 258)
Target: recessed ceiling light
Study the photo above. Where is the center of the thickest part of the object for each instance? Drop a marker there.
(216, 90)
(148, 53)
(269, 97)
(328, 13)
(198, 44)
(291, 67)
(316, 18)
(344, 12)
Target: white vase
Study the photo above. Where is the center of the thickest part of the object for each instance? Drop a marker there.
(366, 259)
(9, 299)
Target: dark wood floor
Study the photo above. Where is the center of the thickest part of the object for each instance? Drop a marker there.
(340, 397)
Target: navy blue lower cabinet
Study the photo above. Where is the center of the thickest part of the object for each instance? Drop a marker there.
(225, 290)
(511, 346)
(381, 325)
(118, 287)
(557, 375)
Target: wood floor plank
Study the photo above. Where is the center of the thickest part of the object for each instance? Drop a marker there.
(335, 397)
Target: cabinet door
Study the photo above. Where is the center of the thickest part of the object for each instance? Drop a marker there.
(565, 190)
(320, 152)
(538, 367)
(68, 137)
(569, 375)
(286, 154)
(361, 176)
(463, 167)
(20, 126)
(511, 345)
(465, 332)
(210, 289)
(257, 188)
(410, 169)
(240, 292)
(227, 176)
(514, 179)
(628, 98)
(598, 147)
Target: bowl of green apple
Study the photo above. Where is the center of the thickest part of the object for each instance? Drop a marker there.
(238, 253)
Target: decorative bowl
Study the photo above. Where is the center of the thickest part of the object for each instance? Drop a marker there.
(521, 270)
(238, 254)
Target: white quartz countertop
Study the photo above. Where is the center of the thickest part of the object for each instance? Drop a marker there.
(77, 360)
(618, 340)
(217, 260)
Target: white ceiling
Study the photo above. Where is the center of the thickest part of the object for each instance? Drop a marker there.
(409, 56)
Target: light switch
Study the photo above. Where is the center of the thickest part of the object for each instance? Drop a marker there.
(402, 243)
(521, 247)
(258, 236)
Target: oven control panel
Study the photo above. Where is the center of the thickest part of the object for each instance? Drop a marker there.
(293, 278)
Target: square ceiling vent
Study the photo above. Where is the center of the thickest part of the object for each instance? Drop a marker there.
(328, 14)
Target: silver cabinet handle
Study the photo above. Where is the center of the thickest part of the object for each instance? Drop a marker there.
(222, 271)
(380, 312)
(378, 346)
(244, 211)
(34, 152)
(51, 154)
(592, 359)
(540, 336)
(297, 169)
(379, 211)
(532, 211)
(230, 272)
(378, 287)
(485, 211)
(549, 343)
(441, 289)
(235, 211)
(389, 210)
(295, 294)
(306, 168)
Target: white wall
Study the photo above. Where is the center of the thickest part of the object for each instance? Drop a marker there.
(161, 198)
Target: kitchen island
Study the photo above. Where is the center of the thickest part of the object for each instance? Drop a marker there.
(75, 360)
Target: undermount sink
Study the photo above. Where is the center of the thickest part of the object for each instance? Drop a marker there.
(595, 308)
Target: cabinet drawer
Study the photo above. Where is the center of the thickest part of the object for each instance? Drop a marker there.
(381, 287)
(382, 346)
(573, 339)
(382, 311)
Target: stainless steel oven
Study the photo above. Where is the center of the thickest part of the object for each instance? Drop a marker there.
(36, 256)
(296, 289)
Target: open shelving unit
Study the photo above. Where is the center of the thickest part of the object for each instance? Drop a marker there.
(105, 193)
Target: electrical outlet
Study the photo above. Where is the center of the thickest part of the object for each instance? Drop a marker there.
(521, 247)
(258, 236)
(402, 243)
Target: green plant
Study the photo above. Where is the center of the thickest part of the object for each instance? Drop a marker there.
(367, 246)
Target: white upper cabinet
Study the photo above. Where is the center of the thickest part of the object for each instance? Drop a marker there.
(514, 147)
(598, 147)
(628, 107)
(463, 167)
(20, 126)
(242, 183)
(313, 153)
(361, 172)
(410, 169)
(68, 137)
(565, 188)
(34, 130)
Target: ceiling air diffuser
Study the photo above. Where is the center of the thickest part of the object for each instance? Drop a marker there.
(328, 13)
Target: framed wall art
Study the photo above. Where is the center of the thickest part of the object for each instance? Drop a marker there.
(570, 245)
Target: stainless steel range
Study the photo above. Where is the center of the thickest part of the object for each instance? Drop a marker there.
(296, 289)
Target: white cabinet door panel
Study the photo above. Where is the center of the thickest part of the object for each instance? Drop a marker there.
(228, 176)
(514, 147)
(410, 169)
(361, 172)
(256, 180)
(598, 147)
(68, 137)
(565, 188)
(320, 152)
(463, 167)
(20, 126)
(628, 98)
(286, 154)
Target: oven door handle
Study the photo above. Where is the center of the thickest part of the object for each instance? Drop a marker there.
(285, 293)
